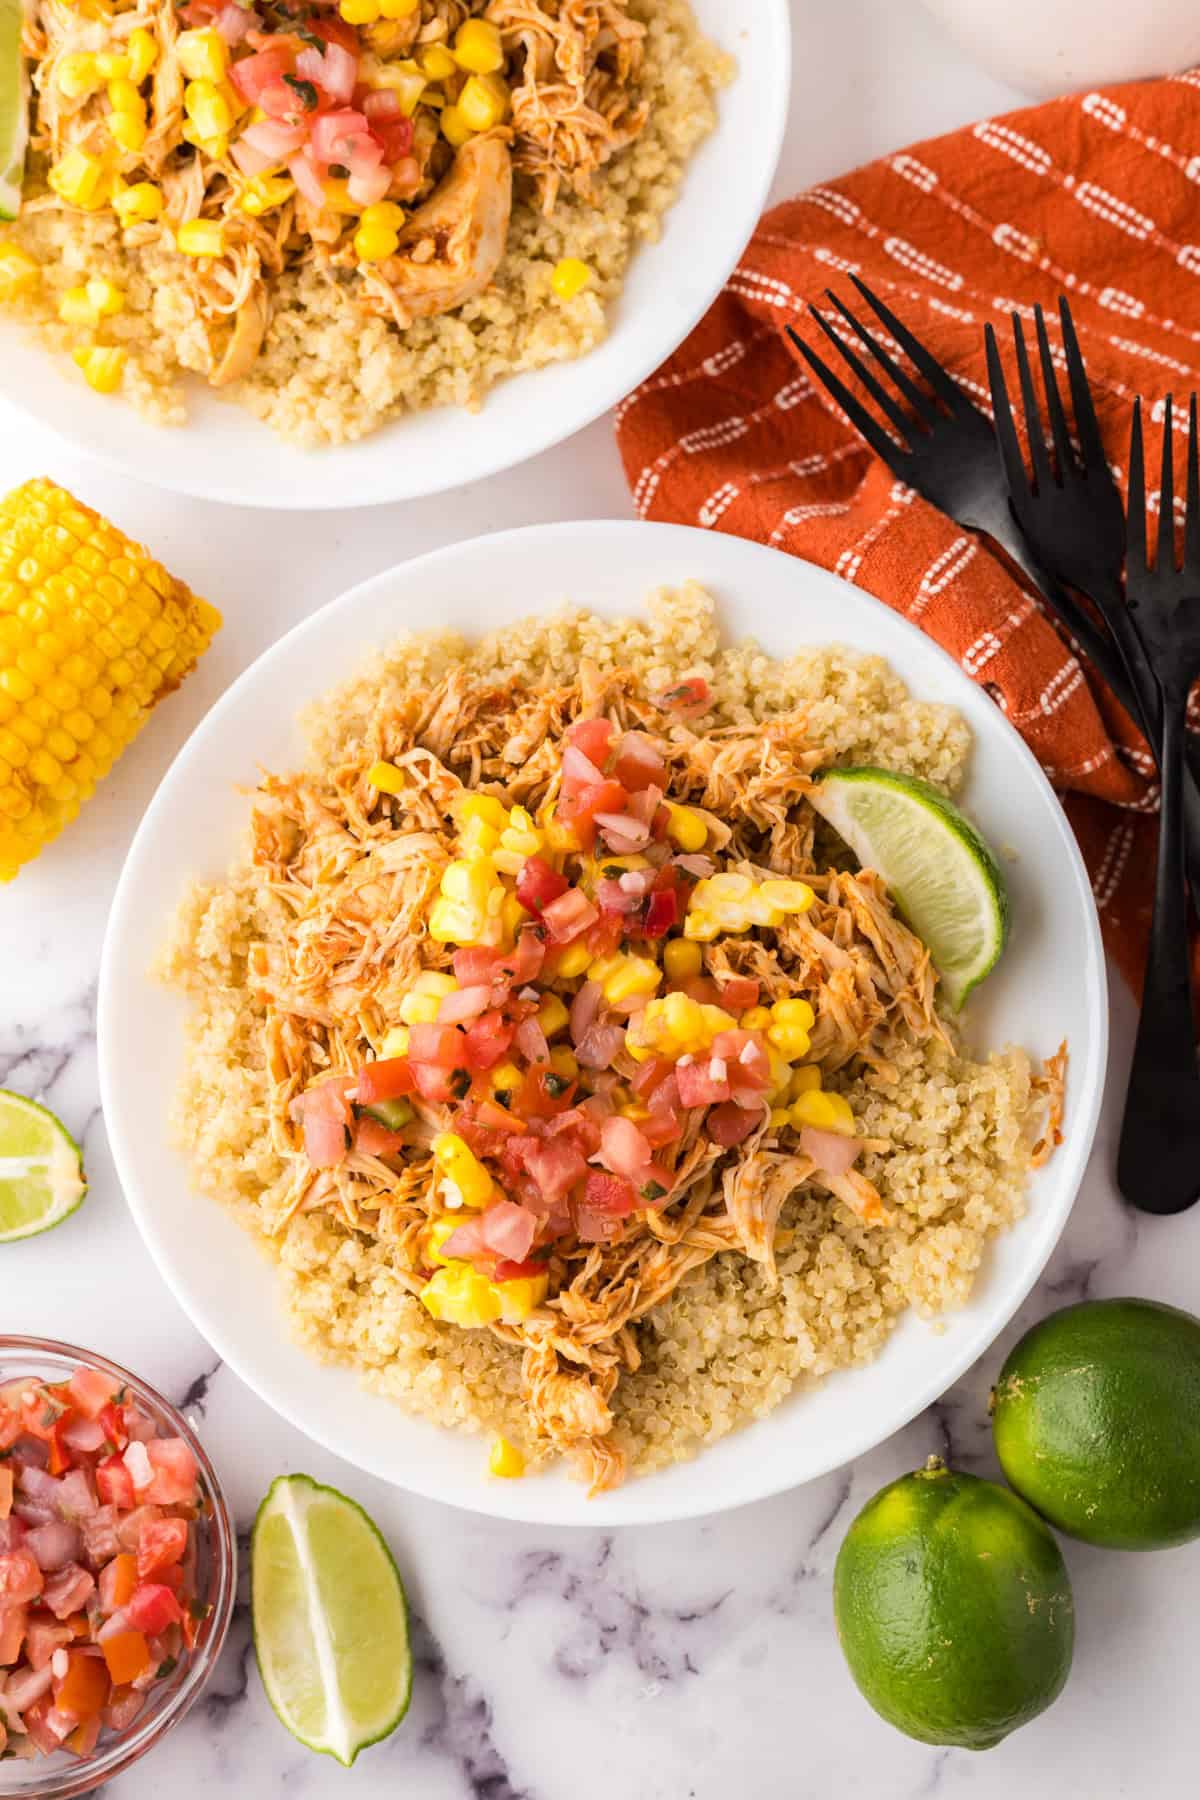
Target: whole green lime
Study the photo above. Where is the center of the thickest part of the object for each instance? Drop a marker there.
(954, 1608)
(1096, 1417)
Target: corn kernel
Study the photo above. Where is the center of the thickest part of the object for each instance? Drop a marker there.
(375, 243)
(791, 1023)
(787, 896)
(564, 1061)
(105, 297)
(552, 1016)
(824, 1112)
(504, 1459)
(681, 960)
(477, 47)
(360, 12)
(780, 1116)
(207, 108)
(505, 1078)
(395, 1042)
(573, 961)
(465, 1181)
(201, 237)
(398, 9)
(466, 806)
(143, 53)
(437, 62)
(461, 1296)
(141, 203)
(386, 777)
(477, 839)
(403, 78)
(569, 278)
(202, 55)
(261, 194)
(435, 1235)
(520, 1296)
(127, 131)
(634, 975)
(419, 1009)
(80, 179)
(102, 368)
(123, 97)
(686, 828)
(758, 1018)
(74, 307)
(805, 1080)
(560, 837)
(77, 75)
(483, 102)
(114, 65)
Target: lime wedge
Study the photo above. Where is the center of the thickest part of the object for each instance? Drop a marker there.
(943, 877)
(330, 1619)
(14, 109)
(41, 1169)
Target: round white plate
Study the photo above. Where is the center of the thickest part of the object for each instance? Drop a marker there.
(224, 454)
(1050, 985)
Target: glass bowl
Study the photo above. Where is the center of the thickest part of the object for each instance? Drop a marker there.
(62, 1775)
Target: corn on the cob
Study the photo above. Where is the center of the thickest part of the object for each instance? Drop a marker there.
(92, 634)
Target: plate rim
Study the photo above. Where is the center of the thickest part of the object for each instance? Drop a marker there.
(975, 1343)
(162, 477)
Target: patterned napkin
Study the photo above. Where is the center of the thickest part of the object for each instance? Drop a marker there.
(1097, 196)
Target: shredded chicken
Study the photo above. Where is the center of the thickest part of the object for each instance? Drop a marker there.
(348, 874)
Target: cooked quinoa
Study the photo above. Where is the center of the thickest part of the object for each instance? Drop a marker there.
(328, 372)
(730, 1343)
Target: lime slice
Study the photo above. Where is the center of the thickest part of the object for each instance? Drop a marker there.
(330, 1619)
(14, 109)
(41, 1169)
(942, 876)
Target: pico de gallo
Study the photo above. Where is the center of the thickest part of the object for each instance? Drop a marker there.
(572, 1063)
(99, 1513)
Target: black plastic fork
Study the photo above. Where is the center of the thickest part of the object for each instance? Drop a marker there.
(1158, 1162)
(945, 448)
(1072, 518)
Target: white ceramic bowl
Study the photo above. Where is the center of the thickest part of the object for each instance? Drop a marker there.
(224, 454)
(1049, 986)
(1073, 44)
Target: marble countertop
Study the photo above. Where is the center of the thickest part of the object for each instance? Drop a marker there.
(690, 1662)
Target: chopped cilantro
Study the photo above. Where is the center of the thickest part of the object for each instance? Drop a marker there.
(503, 1096)
(460, 1083)
(305, 92)
(555, 1085)
(612, 872)
(167, 1666)
(339, 171)
(653, 1190)
(310, 38)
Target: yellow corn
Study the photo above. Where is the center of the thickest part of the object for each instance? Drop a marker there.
(261, 194)
(681, 960)
(395, 1042)
(437, 62)
(375, 243)
(202, 55)
(564, 1062)
(102, 367)
(19, 272)
(386, 777)
(141, 203)
(112, 64)
(465, 1181)
(805, 1080)
(420, 1005)
(466, 806)
(92, 634)
(791, 1023)
(398, 9)
(105, 297)
(458, 1294)
(468, 909)
(504, 1459)
(552, 1016)
(734, 903)
(201, 237)
(519, 1297)
(207, 108)
(435, 1236)
(455, 129)
(360, 12)
(127, 131)
(686, 828)
(519, 839)
(786, 896)
(74, 307)
(403, 78)
(477, 47)
(78, 75)
(570, 277)
(575, 959)
(825, 1112)
(143, 53)
(780, 1116)
(675, 1025)
(484, 101)
(123, 97)
(505, 1078)
(625, 976)
(80, 179)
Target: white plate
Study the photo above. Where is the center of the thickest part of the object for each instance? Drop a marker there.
(1049, 986)
(224, 454)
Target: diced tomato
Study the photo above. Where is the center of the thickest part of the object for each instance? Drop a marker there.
(729, 1124)
(747, 1058)
(126, 1656)
(91, 1392)
(391, 1079)
(610, 1194)
(660, 1128)
(43, 1636)
(6, 1492)
(485, 1041)
(474, 965)
(569, 915)
(578, 810)
(624, 1149)
(151, 1608)
(161, 1544)
(252, 75)
(605, 935)
(10, 1426)
(373, 1139)
(333, 30)
(174, 1472)
(498, 1118)
(697, 1084)
(36, 1720)
(396, 137)
(118, 1580)
(701, 988)
(639, 763)
(685, 697)
(661, 913)
(519, 1271)
(12, 1633)
(115, 1483)
(116, 1432)
(441, 1045)
(739, 993)
(83, 1740)
(83, 1691)
(20, 1578)
(434, 1083)
(538, 884)
(543, 1095)
(593, 737)
(555, 1165)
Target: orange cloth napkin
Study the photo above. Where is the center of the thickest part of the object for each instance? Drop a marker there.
(1097, 196)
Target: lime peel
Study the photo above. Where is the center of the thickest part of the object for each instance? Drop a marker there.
(41, 1169)
(944, 878)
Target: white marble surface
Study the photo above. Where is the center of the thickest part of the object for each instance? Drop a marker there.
(694, 1662)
